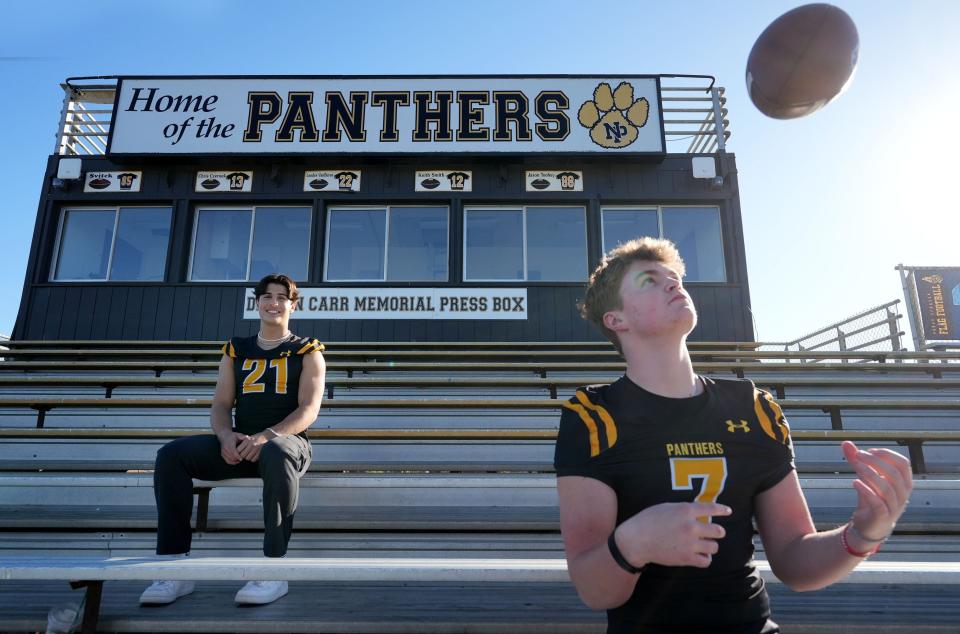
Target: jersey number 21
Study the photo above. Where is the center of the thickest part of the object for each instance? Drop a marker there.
(252, 382)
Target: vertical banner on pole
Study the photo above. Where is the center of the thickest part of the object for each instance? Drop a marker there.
(936, 301)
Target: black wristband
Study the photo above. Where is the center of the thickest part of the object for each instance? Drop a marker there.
(619, 558)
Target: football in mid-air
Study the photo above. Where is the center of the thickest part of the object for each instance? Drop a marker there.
(802, 61)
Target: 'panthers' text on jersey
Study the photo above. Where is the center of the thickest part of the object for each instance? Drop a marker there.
(267, 381)
(726, 445)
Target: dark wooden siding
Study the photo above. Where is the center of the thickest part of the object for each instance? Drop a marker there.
(211, 312)
(177, 309)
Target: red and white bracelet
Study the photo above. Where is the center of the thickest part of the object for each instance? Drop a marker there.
(856, 553)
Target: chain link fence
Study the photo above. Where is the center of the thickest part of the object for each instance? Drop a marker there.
(873, 330)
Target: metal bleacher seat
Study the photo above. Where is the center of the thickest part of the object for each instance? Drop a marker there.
(423, 454)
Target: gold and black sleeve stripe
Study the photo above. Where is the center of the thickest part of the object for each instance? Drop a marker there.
(311, 346)
(229, 350)
(596, 418)
(770, 416)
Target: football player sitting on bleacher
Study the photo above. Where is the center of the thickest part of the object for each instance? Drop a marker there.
(275, 379)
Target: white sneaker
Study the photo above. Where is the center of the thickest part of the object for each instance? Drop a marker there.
(161, 592)
(62, 619)
(261, 592)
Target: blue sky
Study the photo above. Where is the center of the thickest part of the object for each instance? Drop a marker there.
(831, 203)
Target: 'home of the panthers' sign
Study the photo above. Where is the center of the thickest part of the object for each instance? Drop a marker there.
(387, 115)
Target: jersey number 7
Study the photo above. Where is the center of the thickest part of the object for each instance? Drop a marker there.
(711, 471)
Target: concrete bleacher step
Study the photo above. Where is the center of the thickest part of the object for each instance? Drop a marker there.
(459, 502)
(494, 608)
(392, 489)
(356, 415)
(334, 455)
(440, 381)
(390, 518)
(375, 569)
(100, 454)
(522, 545)
(324, 544)
(66, 497)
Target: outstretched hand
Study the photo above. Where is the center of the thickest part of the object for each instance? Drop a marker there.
(884, 482)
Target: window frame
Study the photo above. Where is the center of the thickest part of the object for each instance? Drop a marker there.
(58, 244)
(659, 209)
(252, 208)
(386, 242)
(523, 213)
(603, 227)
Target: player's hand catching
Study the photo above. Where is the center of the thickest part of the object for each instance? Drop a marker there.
(884, 482)
(249, 449)
(670, 534)
(228, 446)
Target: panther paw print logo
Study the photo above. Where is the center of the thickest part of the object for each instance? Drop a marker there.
(613, 116)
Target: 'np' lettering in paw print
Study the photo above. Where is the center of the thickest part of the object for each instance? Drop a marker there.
(613, 117)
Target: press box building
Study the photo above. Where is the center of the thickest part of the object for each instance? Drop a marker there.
(408, 208)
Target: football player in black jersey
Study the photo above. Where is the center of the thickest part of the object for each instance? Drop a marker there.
(275, 380)
(661, 474)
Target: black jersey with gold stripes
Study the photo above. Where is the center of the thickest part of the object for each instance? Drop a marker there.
(267, 381)
(726, 445)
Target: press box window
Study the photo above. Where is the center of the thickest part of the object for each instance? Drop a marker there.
(695, 231)
(624, 224)
(393, 244)
(247, 243)
(537, 244)
(112, 243)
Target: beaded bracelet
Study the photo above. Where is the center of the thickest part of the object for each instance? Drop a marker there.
(619, 558)
(856, 553)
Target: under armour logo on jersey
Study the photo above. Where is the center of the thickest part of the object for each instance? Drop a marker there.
(285, 353)
(732, 427)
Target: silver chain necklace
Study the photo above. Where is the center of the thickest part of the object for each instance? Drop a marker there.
(265, 340)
